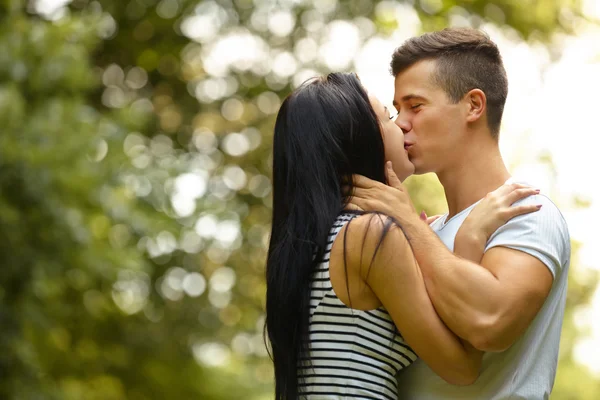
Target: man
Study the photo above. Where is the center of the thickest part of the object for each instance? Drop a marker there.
(450, 90)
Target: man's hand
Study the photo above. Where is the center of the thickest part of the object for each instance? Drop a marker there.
(392, 200)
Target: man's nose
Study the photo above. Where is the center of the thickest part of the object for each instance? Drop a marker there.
(403, 123)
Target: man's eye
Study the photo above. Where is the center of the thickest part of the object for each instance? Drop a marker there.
(416, 106)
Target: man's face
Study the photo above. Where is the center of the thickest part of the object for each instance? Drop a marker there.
(393, 141)
(433, 126)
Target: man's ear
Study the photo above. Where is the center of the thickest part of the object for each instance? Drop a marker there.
(476, 104)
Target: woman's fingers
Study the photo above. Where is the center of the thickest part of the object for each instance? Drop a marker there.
(521, 193)
(522, 209)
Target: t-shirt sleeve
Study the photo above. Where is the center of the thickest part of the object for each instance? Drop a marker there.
(543, 234)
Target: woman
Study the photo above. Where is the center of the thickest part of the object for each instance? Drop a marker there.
(346, 312)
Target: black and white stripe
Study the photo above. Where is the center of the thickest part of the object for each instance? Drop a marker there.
(352, 353)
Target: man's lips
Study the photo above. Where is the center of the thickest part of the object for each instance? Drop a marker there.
(408, 145)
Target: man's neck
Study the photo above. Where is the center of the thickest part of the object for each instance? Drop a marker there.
(479, 171)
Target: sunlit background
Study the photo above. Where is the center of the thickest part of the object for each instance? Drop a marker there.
(134, 175)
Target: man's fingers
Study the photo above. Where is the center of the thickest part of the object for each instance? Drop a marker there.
(360, 193)
(359, 181)
(346, 190)
(360, 204)
(352, 207)
(392, 178)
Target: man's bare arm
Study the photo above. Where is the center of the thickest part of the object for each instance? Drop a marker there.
(488, 304)
(490, 307)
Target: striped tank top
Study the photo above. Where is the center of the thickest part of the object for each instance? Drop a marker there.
(352, 353)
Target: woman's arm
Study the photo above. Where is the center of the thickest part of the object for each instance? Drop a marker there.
(493, 211)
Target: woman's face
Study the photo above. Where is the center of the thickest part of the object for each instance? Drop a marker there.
(393, 140)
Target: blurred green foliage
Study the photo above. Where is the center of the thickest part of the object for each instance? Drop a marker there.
(134, 191)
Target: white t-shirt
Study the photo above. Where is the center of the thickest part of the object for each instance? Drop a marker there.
(527, 369)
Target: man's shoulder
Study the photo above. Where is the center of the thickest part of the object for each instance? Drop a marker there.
(549, 214)
(543, 234)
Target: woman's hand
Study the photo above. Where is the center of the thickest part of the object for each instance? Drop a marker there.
(429, 220)
(493, 211)
(496, 208)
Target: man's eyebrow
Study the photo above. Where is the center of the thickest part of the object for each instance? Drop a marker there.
(409, 97)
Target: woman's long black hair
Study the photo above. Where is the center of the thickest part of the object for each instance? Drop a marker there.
(325, 131)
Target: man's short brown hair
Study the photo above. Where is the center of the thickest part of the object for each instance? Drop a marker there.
(466, 59)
